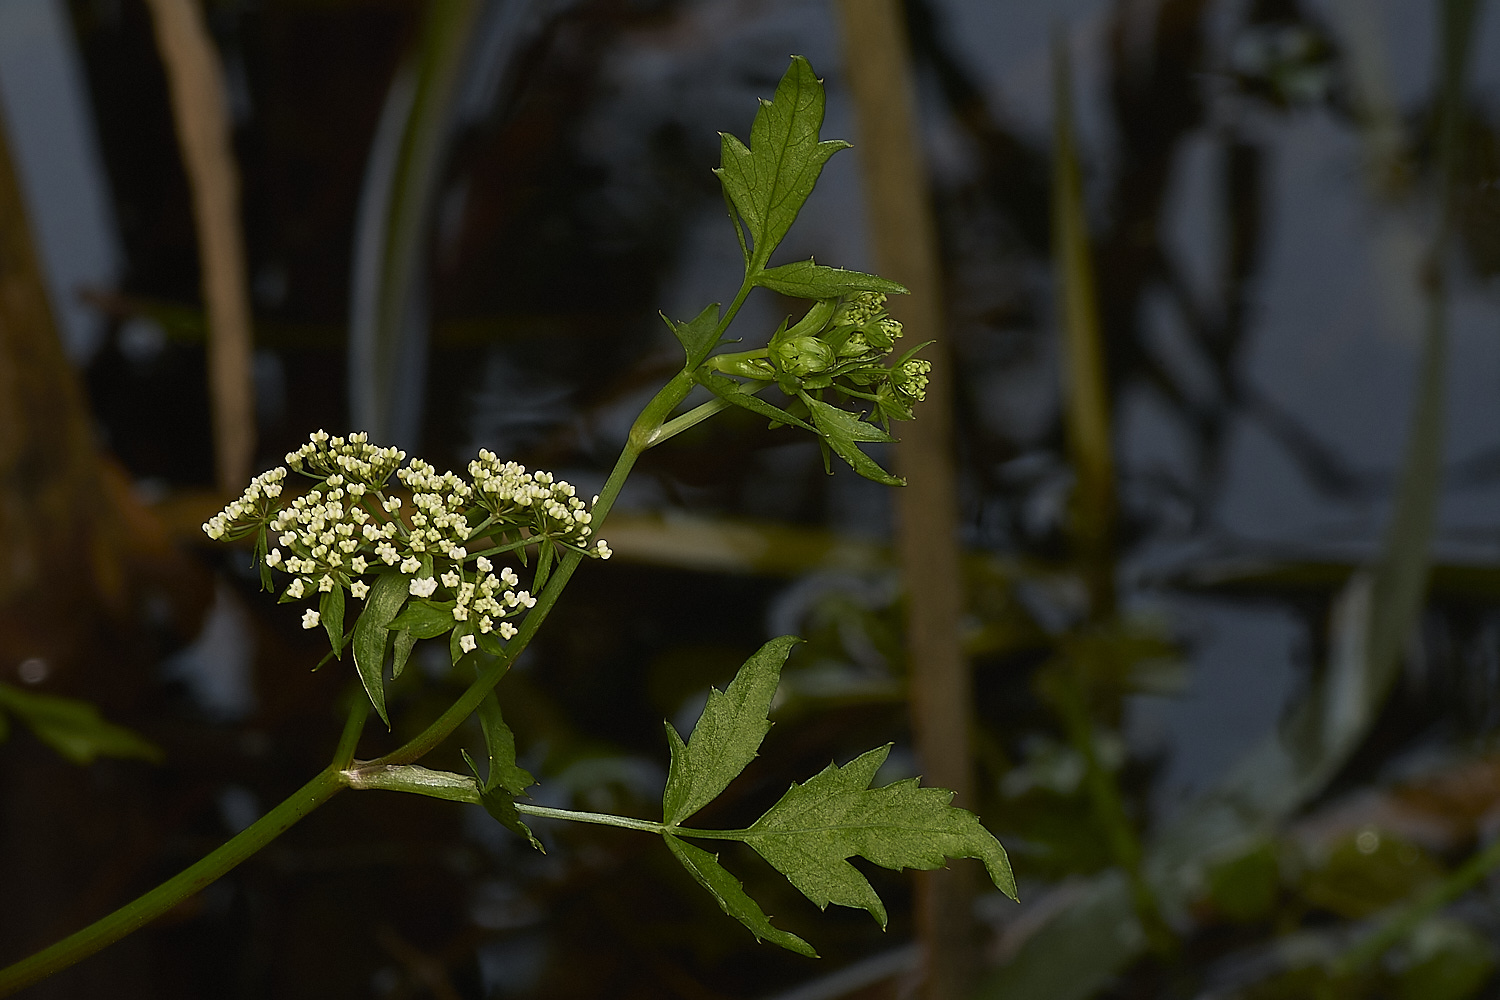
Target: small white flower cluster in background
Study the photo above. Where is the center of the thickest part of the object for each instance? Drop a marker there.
(347, 528)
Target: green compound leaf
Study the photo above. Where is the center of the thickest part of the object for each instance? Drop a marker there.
(809, 835)
(698, 335)
(732, 897)
(426, 619)
(331, 613)
(384, 600)
(807, 280)
(74, 728)
(730, 391)
(841, 429)
(769, 181)
(727, 736)
(505, 779)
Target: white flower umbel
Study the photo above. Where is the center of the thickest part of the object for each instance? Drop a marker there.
(345, 528)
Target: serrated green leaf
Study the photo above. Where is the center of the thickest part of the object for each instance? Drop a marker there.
(425, 619)
(814, 829)
(805, 279)
(75, 728)
(727, 736)
(698, 335)
(382, 603)
(732, 897)
(331, 613)
(841, 430)
(769, 181)
(729, 391)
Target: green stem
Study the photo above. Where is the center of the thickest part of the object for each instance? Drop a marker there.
(134, 915)
(416, 780)
(646, 432)
(643, 434)
(698, 414)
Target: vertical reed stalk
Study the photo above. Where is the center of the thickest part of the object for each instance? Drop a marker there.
(200, 109)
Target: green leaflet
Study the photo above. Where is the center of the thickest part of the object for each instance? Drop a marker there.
(730, 391)
(331, 613)
(841, 430)
(816, 826)
(814, 829)
(400, 650)
(731, 896)
(73, 728)
(727, 736)
(698, 335)
(807, 280)
(505, 780)
(769, 181)
(425, 619)
(386, 596)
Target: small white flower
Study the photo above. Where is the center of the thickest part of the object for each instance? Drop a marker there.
(422, 586)
(359, 589)
(458, 553)
(450, 579)
(310, 619)
(460, 613)
(467, 643)
(486, 624)
(508, 577)
(603, 549)
(358, 564)
(484, 564)
(506, 630)
(273, 558)
(325, 584)
(410, 564)
(296, 589)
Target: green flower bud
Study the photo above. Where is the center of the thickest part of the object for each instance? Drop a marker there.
(802, 356)
(859, 309)
(911, 378)
(854, 346)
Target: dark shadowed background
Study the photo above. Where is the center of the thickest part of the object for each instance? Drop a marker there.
(1218, 783)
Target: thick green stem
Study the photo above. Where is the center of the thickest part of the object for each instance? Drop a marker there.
(137, 914)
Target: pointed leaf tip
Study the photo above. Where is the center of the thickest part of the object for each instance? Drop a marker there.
(731, 896)
(727, 736)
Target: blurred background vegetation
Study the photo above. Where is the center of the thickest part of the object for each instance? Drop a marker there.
(1215, 286)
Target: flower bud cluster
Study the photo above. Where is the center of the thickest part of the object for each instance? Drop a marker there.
(354, 458)
(840, 344)
(250, 510)
(532, 500)
(346, 528)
